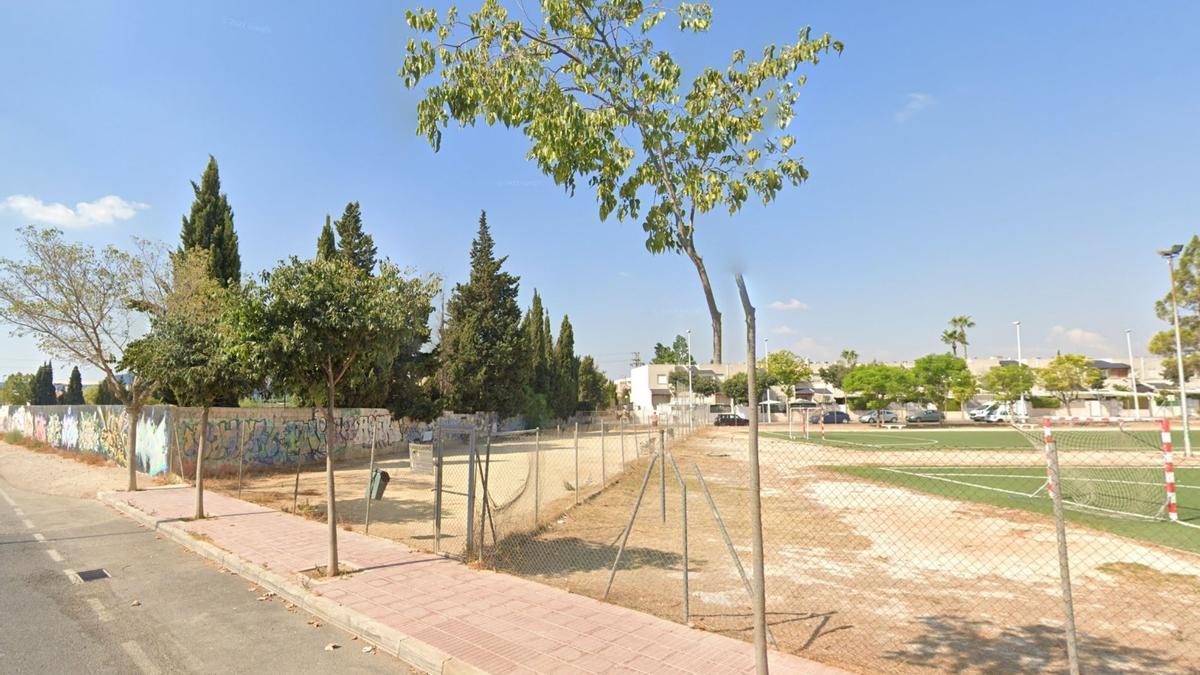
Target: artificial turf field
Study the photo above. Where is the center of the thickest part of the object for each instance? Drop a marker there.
(973, 477)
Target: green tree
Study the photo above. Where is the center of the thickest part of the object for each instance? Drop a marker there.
(566, 369)
(354, 244)
(935, 374)
(326, 244)
(705, 386)
(17, 390)
(108, 393)
(1009, 383)
(43, 385)
(736, 386)
(317, 324)
(482, 345)
(1069, 375)
(195, 347)
(788, 369)
(879, 385)
(835, 373)
(593, 385)
(963, 388)
(676, 353)
(537, 346)
(950, 337)
(209, 226)
(600, 103)
(74, 393)
(959, 325)
(79, 305)
(1187, 294)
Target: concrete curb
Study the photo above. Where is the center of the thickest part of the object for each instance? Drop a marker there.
(412, 651)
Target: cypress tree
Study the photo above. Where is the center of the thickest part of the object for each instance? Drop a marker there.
(483, 345)
(209, 226)
(74, 393)
(105, 394)
(537, 346)
(43, 386)
(355, 245)
(326, 247)
(566, 367)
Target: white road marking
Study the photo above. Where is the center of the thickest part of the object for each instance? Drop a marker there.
(28, 523)
(100, 610)
(7, 498)
(143, 662)
(54, 555)
(19, 512)
(40, 537)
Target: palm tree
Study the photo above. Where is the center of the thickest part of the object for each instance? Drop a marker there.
(961, 323)
(850, 356)
(951, 336)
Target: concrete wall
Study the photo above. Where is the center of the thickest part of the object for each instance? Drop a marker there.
(98, 429)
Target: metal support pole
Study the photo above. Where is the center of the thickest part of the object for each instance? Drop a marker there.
(577, 463)
(662, 474)
(1179, 356)
(1137, 406)
(756, 540)
(684, 525)
(629, 526)
(438, 443)
(241, 456)
(537, 474)
(603, 463)
(1064, 567)
(370, 476)
(621, 433)
(470, 499)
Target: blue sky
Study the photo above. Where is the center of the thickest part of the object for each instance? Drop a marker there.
(1017, 160)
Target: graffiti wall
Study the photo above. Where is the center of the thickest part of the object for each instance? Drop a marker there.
(103, 430)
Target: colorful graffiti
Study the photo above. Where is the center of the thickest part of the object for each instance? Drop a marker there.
(98, 429)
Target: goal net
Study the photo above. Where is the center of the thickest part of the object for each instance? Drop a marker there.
(1117, 466)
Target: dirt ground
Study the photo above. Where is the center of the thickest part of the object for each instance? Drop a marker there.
(49, 473)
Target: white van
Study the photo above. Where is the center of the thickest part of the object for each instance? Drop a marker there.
(982, 414)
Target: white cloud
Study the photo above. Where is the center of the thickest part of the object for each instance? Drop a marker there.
(1078, 337)
(783, 330)
(788, 305)
(103, 211)
(913, 104)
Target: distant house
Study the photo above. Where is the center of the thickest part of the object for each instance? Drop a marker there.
(1111, 369)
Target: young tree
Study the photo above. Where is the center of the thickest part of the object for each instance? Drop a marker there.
(482, 345)
(566, 369)
(879, 385)
(788, 369)
(963, 388)
(326, 244)
(934, 375)
(1068, 375)
(79, 305)
(209, 226)
(600, 103)
(17, 390)
(1187, 294)
(835, 373)
(195, 347)
(318, 323)
(959, 324)
(1009, 383)
(677, 353)
(43, 385)
(74, 393)
(353, 244)
(736, 386)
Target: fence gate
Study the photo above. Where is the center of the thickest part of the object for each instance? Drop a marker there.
(454, 459)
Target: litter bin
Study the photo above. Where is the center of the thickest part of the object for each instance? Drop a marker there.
(379, 481)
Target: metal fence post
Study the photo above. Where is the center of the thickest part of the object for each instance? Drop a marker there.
(1060, 530)
(470, 498)
(662, 473)
(370, 476)
(438, 443)
(537, 474)
(621, 433)
(241, 456)
(577, 463)
(603, 464)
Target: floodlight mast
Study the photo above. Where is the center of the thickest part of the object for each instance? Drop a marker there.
(1170, 255)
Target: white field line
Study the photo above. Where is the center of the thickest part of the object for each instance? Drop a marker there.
(7, 499)
(54, 555)
(1042, 475)
(40, 537)
(915, 443)
(102, 613)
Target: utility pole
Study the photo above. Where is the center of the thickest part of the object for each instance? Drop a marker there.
(637, 360)
(1020, 362)
(1170, 254)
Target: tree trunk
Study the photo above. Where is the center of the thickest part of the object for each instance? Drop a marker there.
(713, 312)
(135, 413)
(330, 500)
(201, 448)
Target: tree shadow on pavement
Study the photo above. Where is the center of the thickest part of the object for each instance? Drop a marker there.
(561, 557)
(957, 644)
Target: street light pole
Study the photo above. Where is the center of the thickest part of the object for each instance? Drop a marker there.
(766, 366)
(1137, 406)
(1170, 254)
(691, 396)
(1020, 362)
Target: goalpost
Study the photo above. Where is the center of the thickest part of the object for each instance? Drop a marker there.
(1110, 467)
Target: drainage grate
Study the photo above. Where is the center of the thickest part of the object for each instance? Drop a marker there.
(92, 575)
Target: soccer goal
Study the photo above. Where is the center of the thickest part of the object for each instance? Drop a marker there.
(1117, 466)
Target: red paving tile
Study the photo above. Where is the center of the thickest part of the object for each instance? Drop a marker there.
(496, 622)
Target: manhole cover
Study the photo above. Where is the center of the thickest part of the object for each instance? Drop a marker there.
(92, 575)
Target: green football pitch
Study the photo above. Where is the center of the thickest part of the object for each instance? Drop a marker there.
(1020, 488)
(1004, 438)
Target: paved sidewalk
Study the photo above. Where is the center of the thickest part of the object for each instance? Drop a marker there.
(436, 613)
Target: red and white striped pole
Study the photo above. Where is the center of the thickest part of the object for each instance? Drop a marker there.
(1169, 470)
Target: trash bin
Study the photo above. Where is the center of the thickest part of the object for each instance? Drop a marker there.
(379, 481)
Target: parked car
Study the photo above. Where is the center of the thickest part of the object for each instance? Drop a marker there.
(981, 414)
(874, 416)
(1000, 413)
(831, 417)
(730, 420)
(926, 417)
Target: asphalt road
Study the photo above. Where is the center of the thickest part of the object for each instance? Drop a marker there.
(189, 617)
